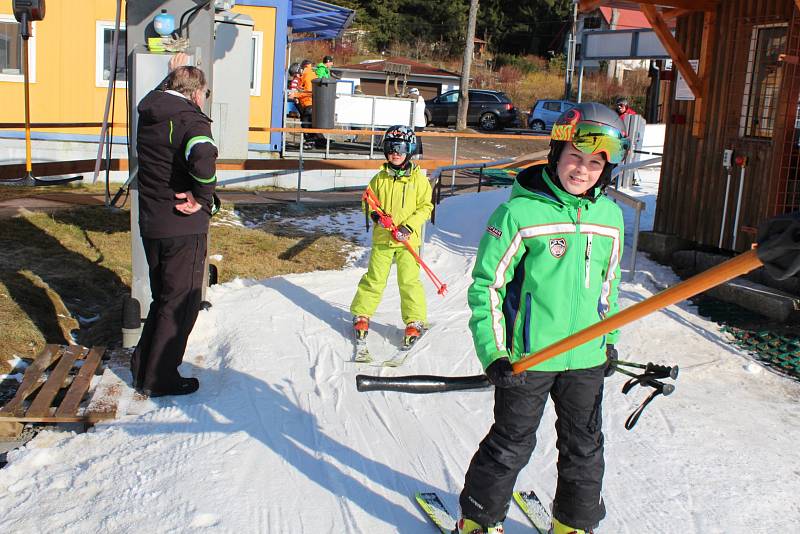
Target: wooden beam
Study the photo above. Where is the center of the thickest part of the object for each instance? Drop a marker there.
(586, 6)
(691, 5)
(59, 168)
(674, 13)
(797, 4)
(80, 385)
(40, 407)
(30, 380)
(706, 55)
(674, 49)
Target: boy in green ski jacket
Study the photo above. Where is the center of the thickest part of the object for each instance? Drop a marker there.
(547, 267)
(404, 194)
(323, 69)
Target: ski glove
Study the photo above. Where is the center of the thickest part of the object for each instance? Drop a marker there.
(402, 233)
(611, 360)
(384, 220)
(501, 374)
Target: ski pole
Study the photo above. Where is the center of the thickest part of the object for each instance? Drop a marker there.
(659, 388)
(778, 247)
(647, 380)
(371, 199)
(658, 371)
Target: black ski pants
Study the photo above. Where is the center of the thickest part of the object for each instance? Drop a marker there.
(176, 280)
(577, 397)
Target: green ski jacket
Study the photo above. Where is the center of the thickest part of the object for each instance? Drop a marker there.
(406, 197)
(548, 266)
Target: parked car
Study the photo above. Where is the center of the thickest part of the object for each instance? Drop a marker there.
(545, 112)
(490, 110)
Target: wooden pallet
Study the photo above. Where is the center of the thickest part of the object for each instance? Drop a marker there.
(72, 368)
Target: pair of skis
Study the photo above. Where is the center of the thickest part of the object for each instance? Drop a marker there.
(527, 501)
(363, 355)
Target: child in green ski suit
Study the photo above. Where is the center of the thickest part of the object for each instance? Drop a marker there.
(548, 266)
(404, 194)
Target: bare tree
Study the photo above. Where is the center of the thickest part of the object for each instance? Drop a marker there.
(466, 66)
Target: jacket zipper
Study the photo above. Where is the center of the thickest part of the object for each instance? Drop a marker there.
(577, 290)
(588, 260)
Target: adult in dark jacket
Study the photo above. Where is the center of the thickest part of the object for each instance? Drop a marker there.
(176, 180)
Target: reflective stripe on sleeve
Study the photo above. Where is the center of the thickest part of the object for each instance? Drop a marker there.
(196, 141)
(204, 180)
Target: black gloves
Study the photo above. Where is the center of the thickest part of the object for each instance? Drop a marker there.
(779, 245)
(501, 374)
(384, 220)
(611, 359)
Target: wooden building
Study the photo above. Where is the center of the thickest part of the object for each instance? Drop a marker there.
(743, 97)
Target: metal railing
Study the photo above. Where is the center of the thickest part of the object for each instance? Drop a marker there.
(639, 206)
(436, 178)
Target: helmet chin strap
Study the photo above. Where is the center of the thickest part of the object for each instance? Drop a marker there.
(400, 170)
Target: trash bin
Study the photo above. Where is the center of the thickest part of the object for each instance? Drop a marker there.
(323, 97)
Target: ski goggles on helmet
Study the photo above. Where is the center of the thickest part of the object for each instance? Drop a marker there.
(397, 146)
(594, 138)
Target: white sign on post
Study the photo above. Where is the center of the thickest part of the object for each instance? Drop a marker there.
(682, 91)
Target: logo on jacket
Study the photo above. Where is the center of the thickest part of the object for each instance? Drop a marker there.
(496, 232)
(558, 246)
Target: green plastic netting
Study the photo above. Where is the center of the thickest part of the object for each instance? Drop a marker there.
(776, 345)
(779, 351)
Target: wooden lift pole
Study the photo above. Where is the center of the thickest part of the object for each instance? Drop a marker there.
(742, 264)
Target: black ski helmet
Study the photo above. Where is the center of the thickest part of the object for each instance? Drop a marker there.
(294, 69)
(590, 113)
(400, 139)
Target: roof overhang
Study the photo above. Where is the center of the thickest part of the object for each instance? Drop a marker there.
(657, 13)
(663, 6)
(318, 20)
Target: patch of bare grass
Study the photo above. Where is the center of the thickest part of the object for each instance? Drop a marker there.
(63, 274)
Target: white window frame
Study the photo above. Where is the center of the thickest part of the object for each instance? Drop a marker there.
(20, 78)
(258, 37)
(100, 28)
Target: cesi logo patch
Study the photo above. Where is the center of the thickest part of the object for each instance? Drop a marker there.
(558, 247)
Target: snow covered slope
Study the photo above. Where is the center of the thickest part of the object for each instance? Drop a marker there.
(278, 439)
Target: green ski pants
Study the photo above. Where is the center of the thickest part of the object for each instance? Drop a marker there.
(370, 288)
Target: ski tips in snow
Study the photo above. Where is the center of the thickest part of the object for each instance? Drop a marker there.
(362, 351)
(436, 511)
(527, 501)
(534, 510)
(363, 355)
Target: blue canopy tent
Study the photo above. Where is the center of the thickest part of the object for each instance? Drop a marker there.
(319, 20)
(308, 20)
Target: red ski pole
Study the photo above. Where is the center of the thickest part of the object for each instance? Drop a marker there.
(371, 199)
